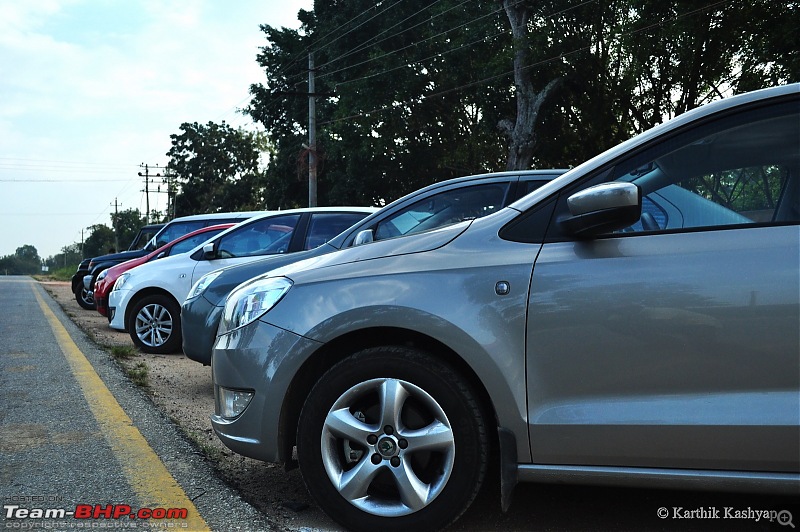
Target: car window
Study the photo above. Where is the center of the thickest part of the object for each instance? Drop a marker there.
(324, 226)
(739, 170)
(176, 230)
(449, 207)
(526, 187)
(192, 242)
(266, 236)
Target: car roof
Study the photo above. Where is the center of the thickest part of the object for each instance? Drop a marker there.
(270, 214)
(217, 215)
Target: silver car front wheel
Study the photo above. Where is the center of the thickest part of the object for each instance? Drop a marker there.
(392, 439)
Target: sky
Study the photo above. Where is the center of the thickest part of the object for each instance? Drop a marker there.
(92, 89)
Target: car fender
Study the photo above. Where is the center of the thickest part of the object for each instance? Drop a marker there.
(382, 300)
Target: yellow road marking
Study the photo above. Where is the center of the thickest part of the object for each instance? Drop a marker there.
(153, 484)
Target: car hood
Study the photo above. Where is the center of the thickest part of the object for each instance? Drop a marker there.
(232, 276)
(403, 245)
(119, 257)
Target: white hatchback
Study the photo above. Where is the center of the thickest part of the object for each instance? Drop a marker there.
(146, 300)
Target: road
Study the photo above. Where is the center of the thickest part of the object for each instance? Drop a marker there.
(67, 444)
(77, 436)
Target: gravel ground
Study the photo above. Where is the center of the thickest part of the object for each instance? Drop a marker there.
(182, 388)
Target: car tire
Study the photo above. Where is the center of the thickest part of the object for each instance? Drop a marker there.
(368, 463)
(155, 325)
(84, 298)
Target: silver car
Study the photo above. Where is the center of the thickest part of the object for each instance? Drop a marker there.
(422, 210)
(633, 322)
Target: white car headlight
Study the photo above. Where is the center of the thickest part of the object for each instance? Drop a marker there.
(202, 283)
(252, 300)
(120, 282)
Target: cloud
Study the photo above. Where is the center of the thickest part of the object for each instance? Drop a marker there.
(104, 82)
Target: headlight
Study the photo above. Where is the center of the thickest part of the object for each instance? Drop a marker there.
(120, 282)
(202, 283)
(102, 275)
(252, 300)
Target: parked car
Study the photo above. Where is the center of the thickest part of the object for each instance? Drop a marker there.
(182, 244)
(425, 209)
(82, 295)
(84, 279)
(634, 322)
(145, 301)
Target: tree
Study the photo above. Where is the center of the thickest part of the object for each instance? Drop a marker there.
(416, 94)
(126, 226)
(217, 168)
(403, 108)
(521, 131)
(24, 261)
(99, 242)
(70, 255)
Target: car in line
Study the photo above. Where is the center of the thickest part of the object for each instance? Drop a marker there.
(145, 301)
(85, 277)
(81, 292)
(182, 244)
(634, 322)
(425, 209)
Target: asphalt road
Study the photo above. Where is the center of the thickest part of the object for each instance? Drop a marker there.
(65, 444)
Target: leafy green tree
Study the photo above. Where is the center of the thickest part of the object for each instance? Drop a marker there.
(402, 105)
(411, 94)
(99, 242)
(217, 168)
(24, 261)
(70, 255)
(126, 226)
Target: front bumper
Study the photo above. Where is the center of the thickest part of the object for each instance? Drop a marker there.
(262, 359)
(117, 301)
(199, 322)
(101, 305)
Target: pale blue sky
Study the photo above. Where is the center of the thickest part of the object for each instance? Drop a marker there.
(89, 89)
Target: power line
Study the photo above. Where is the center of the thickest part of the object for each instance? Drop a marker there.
(511, 72)
(69, 182)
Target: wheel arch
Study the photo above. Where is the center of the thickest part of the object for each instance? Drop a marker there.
(352, 342)
(143, 293)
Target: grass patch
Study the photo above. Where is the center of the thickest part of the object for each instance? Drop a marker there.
(138, 374)
(123, 352)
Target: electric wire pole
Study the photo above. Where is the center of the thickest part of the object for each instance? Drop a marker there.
(312, 135)
(166, 179)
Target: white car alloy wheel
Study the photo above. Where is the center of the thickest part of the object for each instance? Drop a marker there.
(392, 439)
(155, 324)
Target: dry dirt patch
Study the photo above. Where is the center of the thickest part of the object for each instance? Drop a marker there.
(182, 388)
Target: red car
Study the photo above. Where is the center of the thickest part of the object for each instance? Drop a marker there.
(180, 245)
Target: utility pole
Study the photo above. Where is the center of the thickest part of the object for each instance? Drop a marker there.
(312, 135)
(116, 224)
(147, 182)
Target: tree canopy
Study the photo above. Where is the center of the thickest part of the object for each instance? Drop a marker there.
(24, 261)
(217, 168)
(411, 94)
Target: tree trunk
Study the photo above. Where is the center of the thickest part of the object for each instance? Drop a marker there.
(521, 133)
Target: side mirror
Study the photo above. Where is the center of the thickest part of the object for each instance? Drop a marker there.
(363, 237)
(208, 251)
(603, 208)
